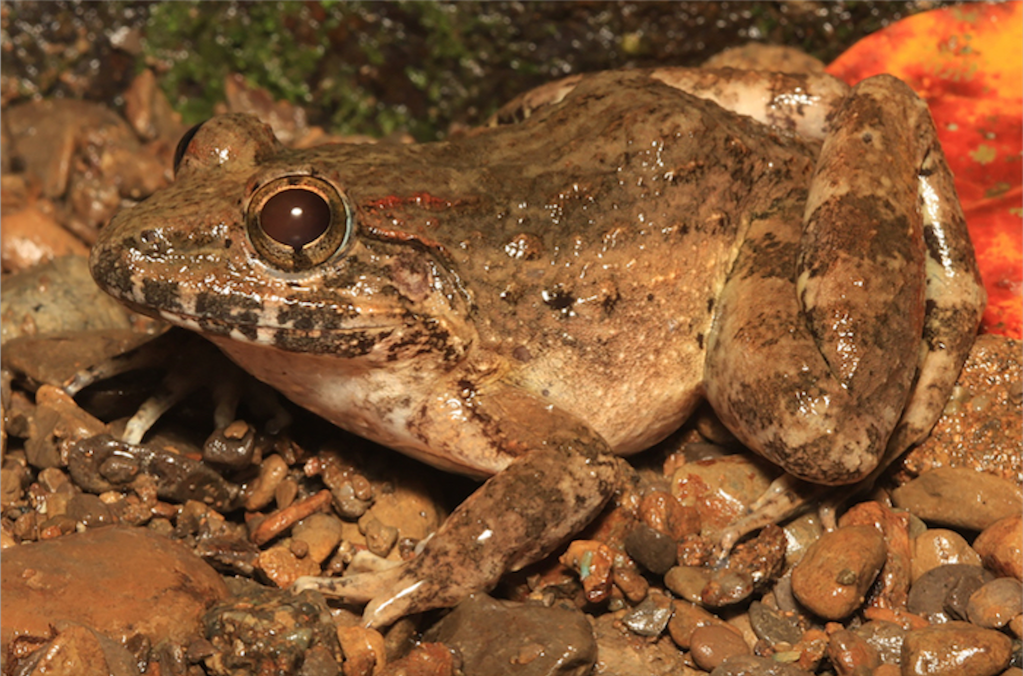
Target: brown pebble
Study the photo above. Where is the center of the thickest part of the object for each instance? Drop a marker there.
(997, 602)
(833, 576)
(710, 646)
(938, 547)
(110, 579)
(687, 581)
(281, 566)
(280, 521)
(363, 649)
(272, 471)
(1000, 546)
(959, 497)
(955, 648)
(851, 654)
(321, 532)
(687, 618)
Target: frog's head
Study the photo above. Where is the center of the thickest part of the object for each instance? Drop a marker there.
(271, 247)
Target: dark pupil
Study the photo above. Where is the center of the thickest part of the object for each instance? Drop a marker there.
(295, 217)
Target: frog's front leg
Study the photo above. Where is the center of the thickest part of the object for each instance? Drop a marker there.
(819, 340)
(560, 478)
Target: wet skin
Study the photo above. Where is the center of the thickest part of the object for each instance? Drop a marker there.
(532, 300)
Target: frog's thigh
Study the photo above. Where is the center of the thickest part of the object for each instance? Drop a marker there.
(954, 292)
(817, 376)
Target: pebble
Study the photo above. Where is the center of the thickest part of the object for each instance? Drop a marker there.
(893, 587)
(774, 626)
(884, 637)
(687, 582)
(997, 602)
(664, 513)
(272, 471)
(752, 665)
(1000, 546)
(850, 653)
(936, 592)
(938, 547)
(651, 548)
(650, 617)
(833, 576)
(78, 651)
(363, 650)
(593, 562)
(711, 645)
(689, 617)
(623, 653)
(282, 567)
(321, 532)
(493, 636)
(721, 489)
(960, 498)
(109, 579)
(955, 648)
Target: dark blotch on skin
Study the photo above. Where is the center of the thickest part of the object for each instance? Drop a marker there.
(559, 299)
(242, 310)
(161, 294)
(109, 271)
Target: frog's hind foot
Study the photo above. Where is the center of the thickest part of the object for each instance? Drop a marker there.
(785, 497)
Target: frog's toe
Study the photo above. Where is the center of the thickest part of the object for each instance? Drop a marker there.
(358, 588)
(389, 594)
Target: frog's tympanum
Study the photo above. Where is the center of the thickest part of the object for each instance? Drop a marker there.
(532, 299)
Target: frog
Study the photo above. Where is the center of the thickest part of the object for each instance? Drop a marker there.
(532, 301)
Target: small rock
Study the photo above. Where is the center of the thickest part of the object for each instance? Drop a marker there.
(997, 602)
(722, 489)
(89, 510)
(322, 532)
(687, 582)
(938, 547)
(688, 618)
(272, 471)
(262, 630)
(710, 646)
(1000, 546)
(955, 648)
(773, 626)
(630, 582)
(652, 549)
(650, 617)
(884, 637)
(501, 637)
(833, 576)
(665, 514)
(280, 565)
(929, 596)
(109, 579)
(622, 653)
(425, 659)
(851, 654)
(960, 498)
(79, 651)
(752, 665)
(363, 650)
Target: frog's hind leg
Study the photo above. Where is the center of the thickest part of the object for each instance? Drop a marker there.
(827, 333)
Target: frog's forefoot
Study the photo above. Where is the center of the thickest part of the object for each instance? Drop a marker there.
(389, 594)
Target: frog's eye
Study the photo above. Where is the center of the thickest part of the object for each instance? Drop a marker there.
(298, 222)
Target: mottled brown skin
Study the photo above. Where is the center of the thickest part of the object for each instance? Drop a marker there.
(531, 299)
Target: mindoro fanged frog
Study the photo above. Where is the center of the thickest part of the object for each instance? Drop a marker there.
(530, 300)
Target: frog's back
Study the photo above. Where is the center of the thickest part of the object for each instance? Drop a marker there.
(607, 226)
